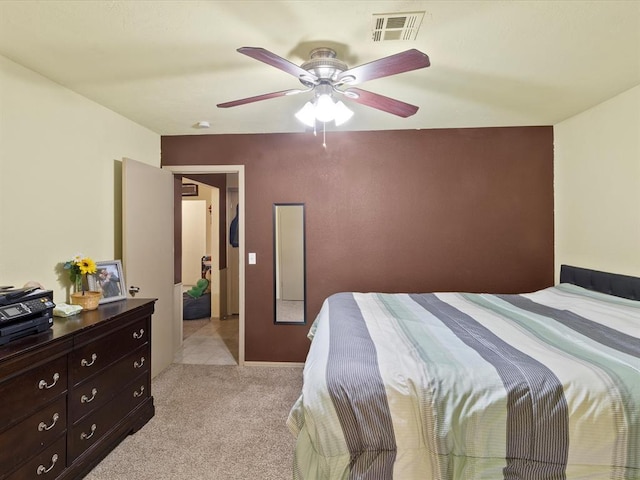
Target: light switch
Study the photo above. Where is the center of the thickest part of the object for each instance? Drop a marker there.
(252, 259)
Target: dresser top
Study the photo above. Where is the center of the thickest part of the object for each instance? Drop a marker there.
(64, 328)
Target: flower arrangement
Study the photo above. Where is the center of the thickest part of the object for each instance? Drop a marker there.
(79, 266)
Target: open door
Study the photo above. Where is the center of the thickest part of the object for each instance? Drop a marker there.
(147, 244)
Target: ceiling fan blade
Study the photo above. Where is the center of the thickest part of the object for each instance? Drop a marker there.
(258, 98)
(276, 61)
(375, 100)
(399, 63)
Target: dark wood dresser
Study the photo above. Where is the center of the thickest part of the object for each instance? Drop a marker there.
(70, 395)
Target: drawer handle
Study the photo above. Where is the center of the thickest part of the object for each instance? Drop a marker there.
(42, 469)
(87, 436)
(137, 394)
(138, 335)
(85, 399)
(43, 426)
(139, 364)
(86, 363)
(43, 384)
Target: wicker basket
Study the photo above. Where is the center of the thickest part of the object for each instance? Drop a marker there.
(87, 300)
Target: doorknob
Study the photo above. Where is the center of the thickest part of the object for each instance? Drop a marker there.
(133, 290)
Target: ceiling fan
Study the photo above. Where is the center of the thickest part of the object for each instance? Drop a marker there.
(329, 77)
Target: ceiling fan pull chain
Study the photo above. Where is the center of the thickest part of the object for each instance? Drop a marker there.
(324, 134)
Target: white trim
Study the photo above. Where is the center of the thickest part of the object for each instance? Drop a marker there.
(239, 169)
(273, 364)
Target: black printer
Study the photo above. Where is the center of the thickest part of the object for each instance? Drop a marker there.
(24, 311)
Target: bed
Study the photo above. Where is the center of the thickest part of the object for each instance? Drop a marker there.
(543, 385)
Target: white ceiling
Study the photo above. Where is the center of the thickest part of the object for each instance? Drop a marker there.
(166, 64)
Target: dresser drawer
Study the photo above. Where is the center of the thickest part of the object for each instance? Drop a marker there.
(98, 390)
(48, 464)
(93, 357)
(92, 428)
(27, 392)
(46, 432)
(31, 435)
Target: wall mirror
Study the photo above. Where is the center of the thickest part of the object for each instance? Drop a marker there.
(289, 263)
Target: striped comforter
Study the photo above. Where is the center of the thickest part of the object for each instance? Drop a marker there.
(463, 386)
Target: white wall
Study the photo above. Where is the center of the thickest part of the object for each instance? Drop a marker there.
(60, 185)
(597, 187)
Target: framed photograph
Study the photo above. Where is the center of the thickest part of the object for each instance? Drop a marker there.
(189, 190)
(109, 280)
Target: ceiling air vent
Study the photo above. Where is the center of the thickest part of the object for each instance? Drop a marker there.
(396, 26)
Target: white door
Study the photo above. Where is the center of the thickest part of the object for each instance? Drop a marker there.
(218, 302)
(147, 244)
(194, 240)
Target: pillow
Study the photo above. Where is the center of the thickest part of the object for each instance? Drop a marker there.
(199, 288)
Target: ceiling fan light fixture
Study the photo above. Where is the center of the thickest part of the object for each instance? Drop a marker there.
(342, 113)
(325, 108)
(307, 114)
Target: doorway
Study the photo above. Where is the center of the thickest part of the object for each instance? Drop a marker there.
(187, 170)
(209, 271)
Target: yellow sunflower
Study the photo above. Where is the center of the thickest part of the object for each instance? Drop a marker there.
(87, 266)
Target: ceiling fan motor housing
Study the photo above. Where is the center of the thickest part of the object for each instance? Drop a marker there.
(324, 65)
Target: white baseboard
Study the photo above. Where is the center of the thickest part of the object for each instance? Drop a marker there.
(273, 364)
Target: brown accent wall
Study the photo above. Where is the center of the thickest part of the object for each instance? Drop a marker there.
(394, 211)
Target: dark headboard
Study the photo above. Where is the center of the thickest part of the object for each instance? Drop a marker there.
(623, 286)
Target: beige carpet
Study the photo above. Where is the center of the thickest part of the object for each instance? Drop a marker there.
(212, 422)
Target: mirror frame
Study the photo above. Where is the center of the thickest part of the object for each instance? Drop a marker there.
(275, 265)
